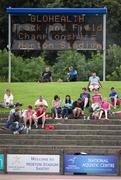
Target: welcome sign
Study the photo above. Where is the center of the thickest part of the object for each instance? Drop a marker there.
(90, 164)
(33, 163)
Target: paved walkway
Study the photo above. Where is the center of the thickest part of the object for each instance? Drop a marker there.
(52, 177)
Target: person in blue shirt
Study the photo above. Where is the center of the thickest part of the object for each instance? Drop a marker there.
(85, 98)
(114, 98)
(72, 74)
(14, 122)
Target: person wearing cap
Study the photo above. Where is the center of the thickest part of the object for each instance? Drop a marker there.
(41, 101)
(14, 120)
(39, 115)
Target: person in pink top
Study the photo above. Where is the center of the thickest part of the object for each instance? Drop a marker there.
(27, 116)
(97, 98)
(56, 107)
(105, 107)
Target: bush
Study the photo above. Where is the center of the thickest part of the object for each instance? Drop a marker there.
(22, 70)
(66, 59)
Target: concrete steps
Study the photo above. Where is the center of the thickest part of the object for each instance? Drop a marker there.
(68, 132)
(54, 142)
(72, 135)
(59, 137)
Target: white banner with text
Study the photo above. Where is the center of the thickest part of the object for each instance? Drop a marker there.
(33, 163)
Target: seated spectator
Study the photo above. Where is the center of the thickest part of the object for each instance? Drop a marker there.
(105, 107)
(72, 74)
(77, 108)
(114, 98)
(67, 107)
(97, 98)
(85, 98)
(39, 116)
(27, 116)
(46, 75)
(56, 107)
(8, 99)
(41, 101)
(95, 111)
(94, 82)
(14, 120)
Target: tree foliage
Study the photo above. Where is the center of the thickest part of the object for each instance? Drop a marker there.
(27, 66)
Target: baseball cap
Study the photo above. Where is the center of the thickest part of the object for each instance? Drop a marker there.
(18, 104)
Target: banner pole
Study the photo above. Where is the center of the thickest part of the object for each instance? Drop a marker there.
(9, 48)
(104, 47)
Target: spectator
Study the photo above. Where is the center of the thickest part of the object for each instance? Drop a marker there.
(14, 120)
(39, 116)
(56, 107)
(41, 101)
(46, 75)
(67, 107)
(97, 98)
(77, 108)
(95, 111)
(85, 98)
(94, 82)
(72, 74)
(114, 98)
(8, 99)
(105, 107)
(27, 116)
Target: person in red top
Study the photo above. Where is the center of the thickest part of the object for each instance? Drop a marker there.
(40, 115)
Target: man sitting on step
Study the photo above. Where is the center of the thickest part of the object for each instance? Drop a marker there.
(14, 120)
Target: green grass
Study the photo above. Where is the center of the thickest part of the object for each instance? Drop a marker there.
(28, 93)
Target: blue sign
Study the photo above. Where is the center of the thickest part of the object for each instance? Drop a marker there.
(1, 162)
(90, 164)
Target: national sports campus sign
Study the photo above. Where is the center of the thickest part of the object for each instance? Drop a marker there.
(57, 32)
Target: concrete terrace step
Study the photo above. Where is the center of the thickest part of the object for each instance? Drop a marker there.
(69, 132)
(85, 126)
(76, 121)
(58, 147)
(59, 137)
(60, 142)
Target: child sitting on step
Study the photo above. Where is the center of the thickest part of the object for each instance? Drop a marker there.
(105, 107)
(39, 116)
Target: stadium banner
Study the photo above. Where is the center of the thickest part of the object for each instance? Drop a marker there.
(90, 164)
(1, 162)
(33, 163)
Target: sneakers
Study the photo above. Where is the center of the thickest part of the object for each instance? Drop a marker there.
(25, 127)
(29, 127)
(36, 126)
(15, 132)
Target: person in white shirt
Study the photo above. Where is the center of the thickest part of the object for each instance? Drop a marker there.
(41, 101)
(94, 82)
(8, 99)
